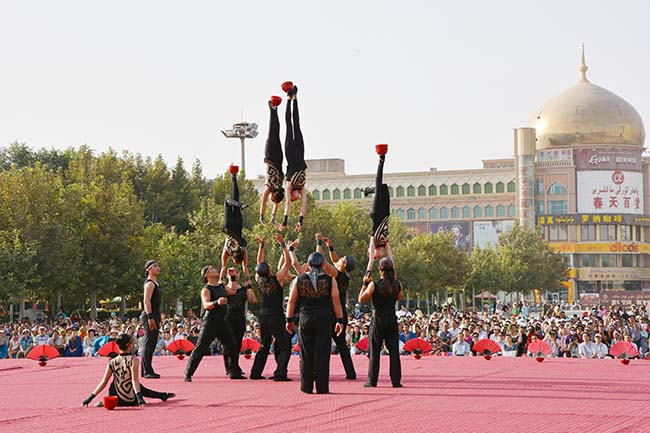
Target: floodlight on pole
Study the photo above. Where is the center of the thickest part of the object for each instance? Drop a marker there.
(242, 130)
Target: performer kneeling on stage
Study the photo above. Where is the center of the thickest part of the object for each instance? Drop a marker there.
(235, 244)
(273, 185)
(294, 150)
(126, 384)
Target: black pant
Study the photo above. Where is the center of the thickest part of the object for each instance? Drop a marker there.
(233, 221)
(273, 146)
(314, 337)
(237, 324)
(150, 342)
(384, 328)
(343, 349)
(211, 329)
(381, 202)
(294, 146)
(272, 326)
(146, 392)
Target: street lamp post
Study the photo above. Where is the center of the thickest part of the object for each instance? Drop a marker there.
(242, 130)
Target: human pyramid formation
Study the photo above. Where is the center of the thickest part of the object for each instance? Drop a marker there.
(317, 296)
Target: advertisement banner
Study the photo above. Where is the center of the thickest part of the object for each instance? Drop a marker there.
(624, 297)
(613, 274)
(601, 247)
(460, 229)
(487, 232)
(610, 192)
(554, 155)
(588, 159)
(416, 228)
(579, 218)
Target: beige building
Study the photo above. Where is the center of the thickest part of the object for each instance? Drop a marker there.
(578, 174)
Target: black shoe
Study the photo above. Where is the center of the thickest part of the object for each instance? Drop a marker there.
(369, 385)
(306, 391)
(188, 378)
(368, 191)
(397, 385)
(281, 379)
(237, 376)
(258, 377)
(351, 377)
(169, 395)
(151, 376)
(293, 91)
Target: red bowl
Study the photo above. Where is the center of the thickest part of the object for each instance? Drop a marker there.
(180, 356)
(233, 169)
(487, 357)
(625, 361)
(110, 402)
(381, 149)
(42, 363)
(247, 355)
(286, 86)
(539, 359)
(417, 356)
(276, 100)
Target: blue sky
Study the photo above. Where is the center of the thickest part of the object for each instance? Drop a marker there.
(444, 83)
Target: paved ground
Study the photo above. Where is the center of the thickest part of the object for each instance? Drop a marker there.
(440, 394)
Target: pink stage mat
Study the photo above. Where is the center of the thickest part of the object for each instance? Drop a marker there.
(440, 394)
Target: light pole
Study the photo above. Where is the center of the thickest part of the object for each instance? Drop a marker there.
(242, 130)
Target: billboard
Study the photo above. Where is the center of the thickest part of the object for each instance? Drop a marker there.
(487, 232)
(610, 191)
(460, 229)
(620, 218)
(588, 159)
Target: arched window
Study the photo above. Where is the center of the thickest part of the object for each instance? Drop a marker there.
(489, 211)
(410, 191)
(443, 189)
(454, 189)
(444, 213)
(465, 188)
(433, 190)
(500, 188)
(466, 212)
(422, 213)
(326, 194)
(501, 210)
(316, 194)
(557, 188)
(512, 210)
(357, 193)
(478, 211)
(433, 213)
(410, 214)
(455, 213)
(488, 188)
(390, 191)
(511, 186)
(477, 188)
(422, 190)
(400, 191)
(347, 194)
(400, 213)
(337, 194)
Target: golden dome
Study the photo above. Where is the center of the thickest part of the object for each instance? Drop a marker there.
(587, 114)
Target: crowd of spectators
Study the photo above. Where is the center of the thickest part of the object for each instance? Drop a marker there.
(588, 334)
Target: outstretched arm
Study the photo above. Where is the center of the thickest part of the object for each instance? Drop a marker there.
(283, 272)
(265, 197)
(260, 249)
(371, 255)
(303, 209)
(367, 289)
(224, 264)
(333, 256)
(287, 205)
(291, 306)
(327, 267)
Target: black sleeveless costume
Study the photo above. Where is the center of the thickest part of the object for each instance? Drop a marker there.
(380, 212)
(343, 282)
(384, 328)
(236, 320)
(151, 337)
(233, 221)
(122, 384)
(294, 147)
(273, 155)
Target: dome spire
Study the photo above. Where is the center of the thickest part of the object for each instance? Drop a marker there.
(583, 66)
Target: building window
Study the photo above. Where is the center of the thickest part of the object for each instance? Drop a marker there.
(637, 232)
(606, 285)
(454, 189)
(410, 214)
(511, 186)
(443, 189)
(557, 233)
(410, 191)
(476, 188)
(390, 191)
(433, 190)
(627, 260)
(489, 211)
(557, 207)
(454, 212)
(539, 186)
(466, 212)
(500, 187)
(608, 260)
(588, 260)
(512, 210)
(400, 213)
(608, 232)
(539, 207)
(626, 233)
(337, 194)
(316, 194)
(422, 213)
(501, 210)
(326, 194)
(433, 213)
(478, 212)
(465, 188)
(422, 190)
(347, 194)
(588, 232)
(357, 193)
(444, 213)
(488, 188)
(557, 188)
(400, 191)
(632, 285)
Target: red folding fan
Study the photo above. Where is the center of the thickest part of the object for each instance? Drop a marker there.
(110, 349)
(43, 353)
(180, 348)
(540, 349)
(362, 344)
(417, 344)
(624, 350)
(487, 347)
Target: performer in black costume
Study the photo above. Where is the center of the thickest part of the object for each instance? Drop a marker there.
(150, 317)
(233, 221)
(272, 315)
(273, 156)
(126, 385)
(214, 300)
(236, 311)
(380, 215)
(316, 294)
(384, 293)
(294, 151)
(341, 272)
